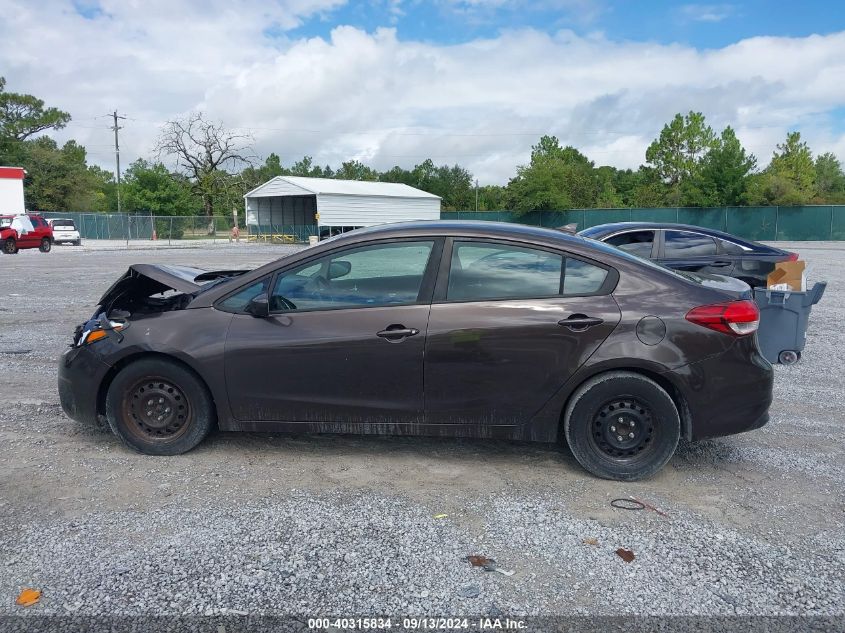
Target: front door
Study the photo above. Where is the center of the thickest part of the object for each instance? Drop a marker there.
(513, 325)
(344, 341)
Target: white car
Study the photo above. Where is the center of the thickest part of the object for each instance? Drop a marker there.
(65, 232)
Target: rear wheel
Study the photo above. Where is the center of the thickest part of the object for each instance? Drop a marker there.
(45, 245)
(159, 407)
(622, 425)
(10, 247)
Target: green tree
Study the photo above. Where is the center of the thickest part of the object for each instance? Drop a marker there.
(254, 176)
(790, 179)
(355, 170)
(722, 179)
(59, 179)
(830, 181)
(678, 152)
(492, 198)
(22, 115)
(151, 189)
(557, 178)
(306, 167)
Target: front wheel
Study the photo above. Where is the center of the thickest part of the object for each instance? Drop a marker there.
(45, 245)
(10, 247)
(159, 407)
(622, 425)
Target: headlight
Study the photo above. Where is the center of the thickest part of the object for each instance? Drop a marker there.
(92, 336)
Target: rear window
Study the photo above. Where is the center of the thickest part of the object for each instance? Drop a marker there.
(732, 248)
(637, 243)
(582, 278)
(680, 244)
(64, 223)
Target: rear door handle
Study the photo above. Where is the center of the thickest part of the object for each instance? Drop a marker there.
(720, 264)
(397, 333)
(579, 322)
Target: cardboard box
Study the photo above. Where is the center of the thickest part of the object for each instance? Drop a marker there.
(787, 276)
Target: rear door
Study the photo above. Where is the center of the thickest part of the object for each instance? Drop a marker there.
(693, 252)
(509, 325)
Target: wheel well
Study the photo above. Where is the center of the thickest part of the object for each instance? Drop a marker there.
(666, 384)
(115, 370)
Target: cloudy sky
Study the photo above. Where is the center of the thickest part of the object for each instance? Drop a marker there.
(474, 82)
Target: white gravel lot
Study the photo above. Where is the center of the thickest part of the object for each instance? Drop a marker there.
(338, 525)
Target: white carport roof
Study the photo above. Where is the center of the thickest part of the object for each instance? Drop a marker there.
(330, 186)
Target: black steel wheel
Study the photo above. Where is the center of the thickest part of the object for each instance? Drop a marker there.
(159, 407)
(45, 245)
(622, 425)
(156, 409)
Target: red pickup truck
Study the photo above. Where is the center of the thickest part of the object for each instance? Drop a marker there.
(24, 231)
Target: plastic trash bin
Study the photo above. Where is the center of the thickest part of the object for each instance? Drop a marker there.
(783, 321)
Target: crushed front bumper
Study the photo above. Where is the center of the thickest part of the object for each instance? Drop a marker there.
(81, 373)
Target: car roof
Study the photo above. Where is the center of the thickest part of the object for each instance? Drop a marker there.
(530, 235)
(457, 228)
(613, 227)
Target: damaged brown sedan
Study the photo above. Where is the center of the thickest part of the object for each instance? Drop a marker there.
(433, 328)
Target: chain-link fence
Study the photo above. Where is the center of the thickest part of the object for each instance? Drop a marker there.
(822, 222)
(181, 229)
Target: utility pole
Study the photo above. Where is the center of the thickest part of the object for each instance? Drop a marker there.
(116, 127)
(476, 195)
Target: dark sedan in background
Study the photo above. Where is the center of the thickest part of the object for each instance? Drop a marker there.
(693, 249)
(432, 328)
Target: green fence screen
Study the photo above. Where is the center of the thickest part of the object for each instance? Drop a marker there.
(823, 222)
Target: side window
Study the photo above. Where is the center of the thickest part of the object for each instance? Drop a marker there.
(378, 275)
(582, 278)
(238, 301)
(637, 243)
(483, 270)
(684, 244)
(731, 248)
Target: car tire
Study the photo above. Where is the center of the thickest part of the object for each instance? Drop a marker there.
(159, 407)
(10, 247)
(45, 245)
(621, 425)
(77, 243)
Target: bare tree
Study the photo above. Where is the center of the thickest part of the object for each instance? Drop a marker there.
(204, 151)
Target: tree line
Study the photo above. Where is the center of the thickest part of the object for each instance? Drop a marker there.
(688, 164)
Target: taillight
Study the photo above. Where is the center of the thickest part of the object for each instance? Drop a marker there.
(736, 318)
(793, 257)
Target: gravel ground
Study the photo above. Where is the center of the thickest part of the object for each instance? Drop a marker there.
(319, 525)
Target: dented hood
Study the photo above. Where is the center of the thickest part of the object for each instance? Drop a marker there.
(144, 280)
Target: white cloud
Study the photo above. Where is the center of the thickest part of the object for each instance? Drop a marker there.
(706, 12)
(378, 98)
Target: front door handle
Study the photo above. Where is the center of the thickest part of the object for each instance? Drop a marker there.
(580, 322)
(720, 264)
(397, 333)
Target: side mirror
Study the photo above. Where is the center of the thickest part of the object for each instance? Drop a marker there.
(339, 269)
(259, 306)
